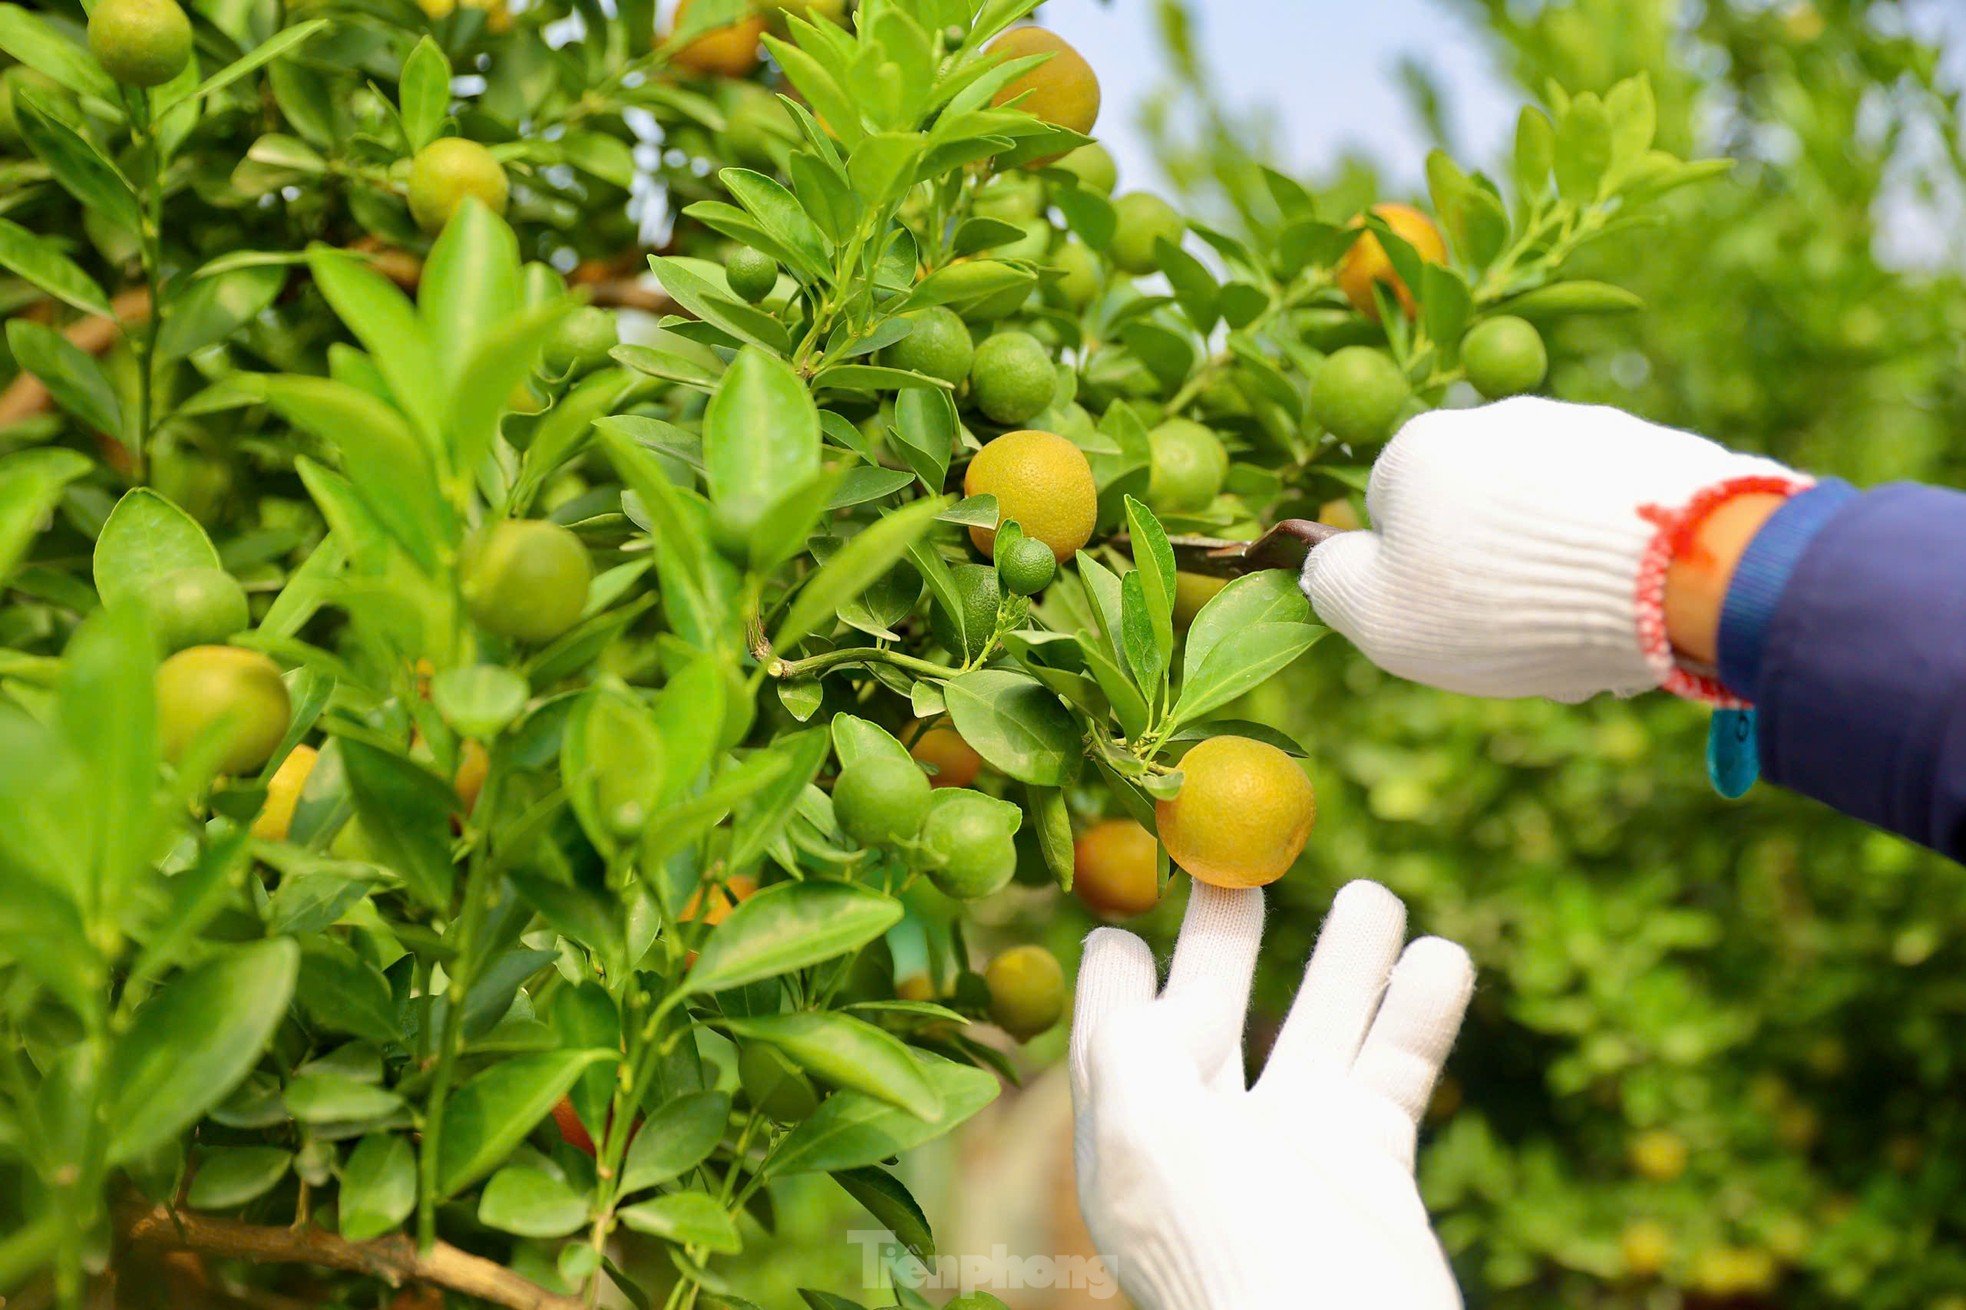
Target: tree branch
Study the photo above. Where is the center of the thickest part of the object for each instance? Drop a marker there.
(392, 1259)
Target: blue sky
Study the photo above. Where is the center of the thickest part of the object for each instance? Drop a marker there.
(1325, 66)
(1327, 69)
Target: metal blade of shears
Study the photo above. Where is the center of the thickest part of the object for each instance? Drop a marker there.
(1285, 546)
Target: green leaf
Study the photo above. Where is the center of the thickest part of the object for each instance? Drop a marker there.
(969, 283)
(479, 700)
(1470, 213)
(1241, 662)
(492, 1113)
(230, 1176)
(470, 287)
(685, 821)
(687, 1219)
(193, 1042)
(31, 483)
(72, 376)
(893, 1205)
(675, 1139)
(382, 318)
(582, 913)
(864, 560)
(601, 156)
(258, 57)
(763, 816)
(406, 814)
(760, 439)
(530, 1202)
(1659, 172)
(424, 92)
(41, 262)
(503, 361)
(107, 704)
(823, 190)
(848, 1053)
(870, 379)
(611, 760)
(702, 298)
(1146, 659)
(1153, 558)
(783, 219)
(1195, 288)
(819, 88)
(1270, 596)
(789, 926)
(689, 712)
(83, 170)
(381, 456)
(883, 164)
(40, 46)
(1583, 149)
(1052, 822)
(856, 739)
(214, 307)
(342, 992)
(320, 1098)
(691, 596)
(1089, 214)
(1013, 722)
(144, 539)
(861, 485)
(378, 1187)
(979, 234)
(566, 431)
(1567, 299)
(586, 1017)
(1634, 120)
(1535, 152)
(851, 1130)
(784, 531)
(1446, 304)
(925, 427)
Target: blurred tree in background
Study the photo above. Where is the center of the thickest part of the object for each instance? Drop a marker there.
(1714, 1054)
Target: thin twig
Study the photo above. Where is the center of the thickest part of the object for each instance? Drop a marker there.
(392, 1259)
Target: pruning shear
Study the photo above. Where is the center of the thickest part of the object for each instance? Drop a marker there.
(1285, 546)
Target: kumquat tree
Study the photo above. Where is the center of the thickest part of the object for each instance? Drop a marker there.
(579, 584)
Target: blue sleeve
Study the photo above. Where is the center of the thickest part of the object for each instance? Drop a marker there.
(1845, 624)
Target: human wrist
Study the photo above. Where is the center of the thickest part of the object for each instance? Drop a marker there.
(1761, 578)
(1702, 569)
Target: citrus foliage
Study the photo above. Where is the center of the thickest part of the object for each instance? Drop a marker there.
(570, 838)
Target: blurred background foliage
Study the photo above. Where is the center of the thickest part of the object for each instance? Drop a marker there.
(1714, 1057)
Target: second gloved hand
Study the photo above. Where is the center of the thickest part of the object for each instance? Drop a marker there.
(1520, 549)
(1205, 1193)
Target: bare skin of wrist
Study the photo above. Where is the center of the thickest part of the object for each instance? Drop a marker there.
(1696, 582)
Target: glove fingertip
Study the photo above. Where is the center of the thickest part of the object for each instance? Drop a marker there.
(1444, 969)
(1116, 973)
(1338, 576)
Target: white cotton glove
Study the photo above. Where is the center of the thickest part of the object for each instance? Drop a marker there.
(1520, 549)
(1204, 1193)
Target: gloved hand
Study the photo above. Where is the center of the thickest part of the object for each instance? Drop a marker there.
(1204, 1193)
(1520, 549)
